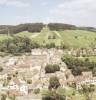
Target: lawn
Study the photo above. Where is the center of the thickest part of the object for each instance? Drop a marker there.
(23, 34)
(73, 38)
(67, 92)
(4, 37)
(78, 38)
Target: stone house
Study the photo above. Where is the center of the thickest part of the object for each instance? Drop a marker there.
(85, 78)
(30, 97)
(19, 86)
(39, 52)
(3, 74)
(47, 55)
(11, 61)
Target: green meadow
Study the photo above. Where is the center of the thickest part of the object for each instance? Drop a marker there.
(71, 38)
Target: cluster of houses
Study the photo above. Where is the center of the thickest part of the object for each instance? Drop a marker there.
(85, 78)
(81, 52)
(22, 69)
(30, 67)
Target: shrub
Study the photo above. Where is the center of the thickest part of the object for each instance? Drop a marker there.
(53, 96)
(37, 91)
(3, 97)
(17, 45)
(56, 67)
(78, 66)
(1, 69)
(54, 83)
(51, 45)
(52, 68)
(29, 81)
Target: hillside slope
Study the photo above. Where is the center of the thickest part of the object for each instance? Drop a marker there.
(71, 38)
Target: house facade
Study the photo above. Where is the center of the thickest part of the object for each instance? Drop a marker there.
(18, 85)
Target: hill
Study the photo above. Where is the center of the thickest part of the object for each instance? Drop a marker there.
(58, 33)
(71, 38)
(37, 27)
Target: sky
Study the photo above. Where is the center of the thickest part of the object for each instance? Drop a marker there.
(76, 12)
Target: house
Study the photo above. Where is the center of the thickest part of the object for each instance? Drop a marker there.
(35, 85)
(47, 55)
(85, 78)
(55, 55)
(39, 60)
(19, 86)
(69, 76)
(11, 61)
(30, 97)
(39, 52)
(3, 74)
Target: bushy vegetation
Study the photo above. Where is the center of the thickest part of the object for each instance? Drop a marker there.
(50, 39)
(29, 81)
(3, 97)
(60, 26)
(36, 91)
(1, 69)
(52, 68)
(88, 91)
(54, 83)
(50, 45)
(53, 96)
(36, 27)
(78, 66)
(17, 45)
(30, 27)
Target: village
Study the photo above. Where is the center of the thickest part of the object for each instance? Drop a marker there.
(23, 74)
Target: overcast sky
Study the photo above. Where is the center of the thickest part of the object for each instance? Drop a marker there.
(78, 12)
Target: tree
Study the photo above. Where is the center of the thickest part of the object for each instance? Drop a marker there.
(49, 69)
(88, 91)
(78, 66)
(51, 45)
(1, 69)
(64, 45)
(29, 81)
(35, 27)
(53, 96)
(37, 91)
(60, 26)
(56, 67)
(18, 45)
(54, 83)
(3, 97)
(52, 68)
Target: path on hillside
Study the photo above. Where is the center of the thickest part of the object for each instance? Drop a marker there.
(35, 35)
(57, 34)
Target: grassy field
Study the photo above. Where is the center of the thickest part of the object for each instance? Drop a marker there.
(91, 58)
(78, 37)
(71, 93)
(72, 38)
(3, 37)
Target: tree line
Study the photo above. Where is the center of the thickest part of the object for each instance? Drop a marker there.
(78, 66)
(37, 27)
(34, 27)
(17, 45)
(31, 27)
(61, 26)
